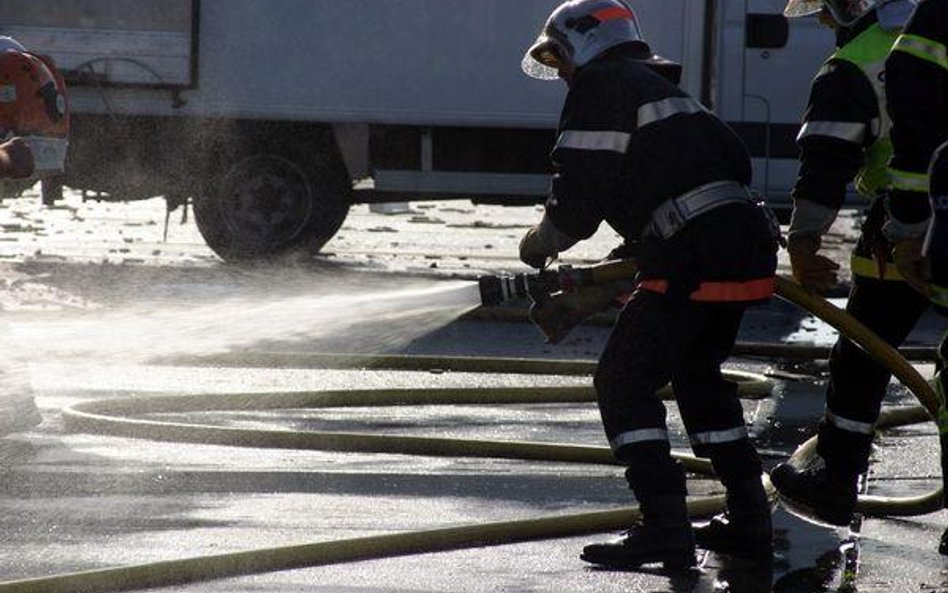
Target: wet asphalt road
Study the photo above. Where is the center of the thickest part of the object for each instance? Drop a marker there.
(94, 293)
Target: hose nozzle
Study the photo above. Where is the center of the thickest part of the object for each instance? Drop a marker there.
(500, 289)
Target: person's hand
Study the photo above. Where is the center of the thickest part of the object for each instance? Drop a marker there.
(812, 270)
(533, 250)
(16, 159)
(912, 265)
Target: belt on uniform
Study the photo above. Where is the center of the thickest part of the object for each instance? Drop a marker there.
(672, 215)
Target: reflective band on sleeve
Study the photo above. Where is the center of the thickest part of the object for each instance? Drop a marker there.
(850, 425)
(638, 436)
(848, 131)
(587, 140)
(715, 437)
(659, 110)
(723, 292)
(923, 49)
(908, 181)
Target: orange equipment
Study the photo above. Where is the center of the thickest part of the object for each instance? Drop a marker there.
(33, 106)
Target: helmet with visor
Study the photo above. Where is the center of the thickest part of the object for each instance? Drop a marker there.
(844, 12)
(579, 30)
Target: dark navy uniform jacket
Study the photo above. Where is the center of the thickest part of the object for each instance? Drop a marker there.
(628, 140)
(841, 121)
(917, 88)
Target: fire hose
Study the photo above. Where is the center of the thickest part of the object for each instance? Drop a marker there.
(121, 417)
(563, 298)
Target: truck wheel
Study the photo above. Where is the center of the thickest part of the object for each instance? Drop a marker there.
(267, 206)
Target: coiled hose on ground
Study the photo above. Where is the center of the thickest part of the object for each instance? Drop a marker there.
(121, 417)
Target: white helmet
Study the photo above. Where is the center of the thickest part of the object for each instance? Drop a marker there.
(578, 31)
(11, 43)
(844, 12)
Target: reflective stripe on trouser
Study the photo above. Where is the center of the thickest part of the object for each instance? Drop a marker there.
(641, 435)
(717, 437)
(857, 383)
(848, 425)
(657, 340)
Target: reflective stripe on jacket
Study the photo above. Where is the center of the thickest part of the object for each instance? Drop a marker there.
(843, 138)
(628, 141)
(868, 52)
(917, 87)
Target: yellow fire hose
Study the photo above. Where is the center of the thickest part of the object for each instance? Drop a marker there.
(889, 357)
(111, 417)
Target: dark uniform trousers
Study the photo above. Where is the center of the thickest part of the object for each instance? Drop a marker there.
(658, 339)
(938, 251)
(669, 337)
(857, 382)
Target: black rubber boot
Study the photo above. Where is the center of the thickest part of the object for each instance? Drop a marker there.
(665, 536)
(829, 496)
(943, 546)
(745, 529)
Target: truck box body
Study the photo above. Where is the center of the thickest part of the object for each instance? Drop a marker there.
(348, 101)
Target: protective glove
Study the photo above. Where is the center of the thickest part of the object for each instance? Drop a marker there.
(812, 270)
(534, 250)
(912, 264)
(560, 312)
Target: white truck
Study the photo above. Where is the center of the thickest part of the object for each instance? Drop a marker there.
(272, 117)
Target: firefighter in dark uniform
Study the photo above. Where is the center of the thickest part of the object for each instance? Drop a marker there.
(635, 151)
(917, 88)
(845, 138)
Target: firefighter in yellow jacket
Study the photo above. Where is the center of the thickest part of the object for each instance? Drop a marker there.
(845, 139)
(917, 87)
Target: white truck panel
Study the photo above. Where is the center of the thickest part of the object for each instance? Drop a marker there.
(413, 97)
(123, 41)
(416, 62)
(159, 57)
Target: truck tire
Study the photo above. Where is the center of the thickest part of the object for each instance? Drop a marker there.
(267, 206)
